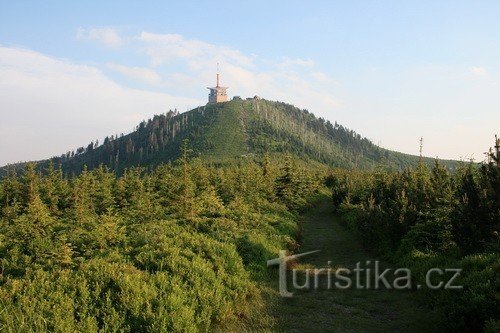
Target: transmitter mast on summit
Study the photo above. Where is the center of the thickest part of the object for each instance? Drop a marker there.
(217, 94)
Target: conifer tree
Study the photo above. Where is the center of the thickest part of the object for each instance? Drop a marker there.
(186, 202)
(287, 185)
(268, 176)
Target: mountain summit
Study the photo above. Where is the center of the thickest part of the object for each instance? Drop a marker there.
(238, 128)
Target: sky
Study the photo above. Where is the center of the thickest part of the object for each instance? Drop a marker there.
(394, 71)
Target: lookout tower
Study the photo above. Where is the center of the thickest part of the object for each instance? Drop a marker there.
(217, 94)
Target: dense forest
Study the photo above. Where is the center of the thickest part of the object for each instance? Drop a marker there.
(179, 248)
(235, 129)
(428, 217)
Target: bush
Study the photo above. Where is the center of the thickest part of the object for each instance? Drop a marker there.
(424, 219)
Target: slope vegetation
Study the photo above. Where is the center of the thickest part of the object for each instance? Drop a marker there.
(234, 129)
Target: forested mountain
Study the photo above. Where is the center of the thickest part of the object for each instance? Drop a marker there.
(183, 246)
(224, 131)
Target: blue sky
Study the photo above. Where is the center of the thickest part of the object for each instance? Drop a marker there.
(72, 72)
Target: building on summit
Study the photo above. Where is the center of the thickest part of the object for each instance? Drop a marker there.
(217, 94)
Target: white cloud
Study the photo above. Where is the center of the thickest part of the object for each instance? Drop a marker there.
(320, 76)
(480, 71)
(49, 105)
(169, 47)
(107, 36)
(292, 80)
(283, 80)
(296, 62)
(140, 73)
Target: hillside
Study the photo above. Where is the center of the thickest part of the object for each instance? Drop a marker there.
(239, 128)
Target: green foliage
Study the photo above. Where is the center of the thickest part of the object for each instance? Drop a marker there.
(179, 248)
(293, 187)
(478, 303)
(226, 131)
(423, 219)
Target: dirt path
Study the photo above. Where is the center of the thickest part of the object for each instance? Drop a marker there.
(347, 310)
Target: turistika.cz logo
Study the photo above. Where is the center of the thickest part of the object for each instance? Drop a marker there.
(367, 275)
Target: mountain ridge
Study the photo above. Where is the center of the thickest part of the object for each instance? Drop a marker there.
(234, 129)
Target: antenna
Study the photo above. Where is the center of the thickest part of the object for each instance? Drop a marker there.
(496, 156)
(421, 148)
(217, 74)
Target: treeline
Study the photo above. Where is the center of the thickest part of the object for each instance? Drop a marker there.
(230, 130)
(283, 127)
(151, 141)
(179, 248)
(425, 218)
(312, 129)
(270, 126)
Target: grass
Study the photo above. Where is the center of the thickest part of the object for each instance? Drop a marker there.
(347, 310)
